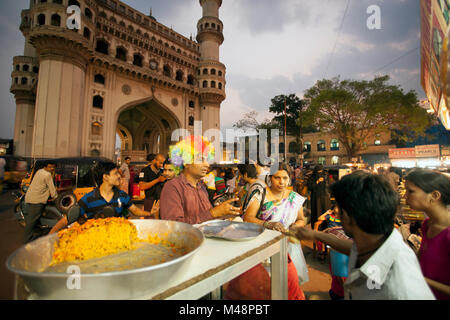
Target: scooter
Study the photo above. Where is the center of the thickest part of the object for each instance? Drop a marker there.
(47, 221)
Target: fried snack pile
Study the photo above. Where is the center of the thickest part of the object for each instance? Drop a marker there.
(95, 239)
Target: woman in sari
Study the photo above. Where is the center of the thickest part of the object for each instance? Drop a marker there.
(277, 209)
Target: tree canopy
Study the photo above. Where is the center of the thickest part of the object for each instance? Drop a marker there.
(355, 110)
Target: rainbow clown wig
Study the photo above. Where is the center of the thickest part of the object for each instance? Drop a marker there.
(193, 149)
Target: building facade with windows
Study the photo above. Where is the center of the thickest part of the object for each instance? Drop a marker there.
(326, 149)
(116, 73)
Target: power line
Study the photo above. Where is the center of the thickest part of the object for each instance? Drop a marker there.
(395, 60)
(337, 37)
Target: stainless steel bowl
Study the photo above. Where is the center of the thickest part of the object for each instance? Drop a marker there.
(31, 260)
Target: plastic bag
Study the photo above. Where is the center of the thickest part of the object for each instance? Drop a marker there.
(296, 253)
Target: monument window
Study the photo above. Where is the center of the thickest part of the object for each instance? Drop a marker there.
(190, 80)
(98, 102)
(102, 46)
(57, 1)
(213, 84)
(179, 76)
(102, 15)
(220, 86)
(191, 104)
(35, 69)
(167, 71)
(213, 72)
(220, 73)
(98, 78)
(74, 3)
(88, 13)
(87, 33)
(322, 161)
(205, 71)
(26, 68)
(113, 20)
(18, 67)
(205, 84)
(41, 19)
(24, 81)
(191, 120)
(56, 20)
(121, 54)
(137, 60)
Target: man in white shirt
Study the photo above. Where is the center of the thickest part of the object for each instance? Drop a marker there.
(41, 188)
(381, 265)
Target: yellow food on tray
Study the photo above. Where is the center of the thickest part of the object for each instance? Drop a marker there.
(95, 239)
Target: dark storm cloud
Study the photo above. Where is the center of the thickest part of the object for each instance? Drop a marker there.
(400, 21)
(271, 16)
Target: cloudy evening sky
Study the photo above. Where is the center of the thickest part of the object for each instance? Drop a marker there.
(271, 47)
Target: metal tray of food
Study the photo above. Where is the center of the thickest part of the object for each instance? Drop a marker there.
(130, 275)
(231, 230)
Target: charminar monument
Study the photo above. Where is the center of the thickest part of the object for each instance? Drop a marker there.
(118, 72)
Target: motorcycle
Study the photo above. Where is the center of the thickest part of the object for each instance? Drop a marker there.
(47, 221)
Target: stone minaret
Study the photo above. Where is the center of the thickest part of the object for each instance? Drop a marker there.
(24, 84)
(211, 74)
(62, 54)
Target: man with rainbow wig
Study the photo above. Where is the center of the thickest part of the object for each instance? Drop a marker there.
(185, 198)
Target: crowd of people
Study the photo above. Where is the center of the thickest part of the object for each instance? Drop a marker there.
(359, 210)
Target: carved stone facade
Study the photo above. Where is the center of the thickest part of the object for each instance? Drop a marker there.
(120, 73)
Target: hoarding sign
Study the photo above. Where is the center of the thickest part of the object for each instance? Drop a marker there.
(402, 153)
(428, 151)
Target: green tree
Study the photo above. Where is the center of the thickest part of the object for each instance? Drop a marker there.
(355, 110)
(294, 126)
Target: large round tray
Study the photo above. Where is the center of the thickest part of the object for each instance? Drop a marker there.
(31, 260)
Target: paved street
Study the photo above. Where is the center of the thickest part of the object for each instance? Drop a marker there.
(11, 239)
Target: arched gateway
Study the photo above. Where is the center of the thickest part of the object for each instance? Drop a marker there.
(145, 127)
(122, 73)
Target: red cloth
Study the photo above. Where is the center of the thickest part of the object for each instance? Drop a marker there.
(255, 285)
(336, 286)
